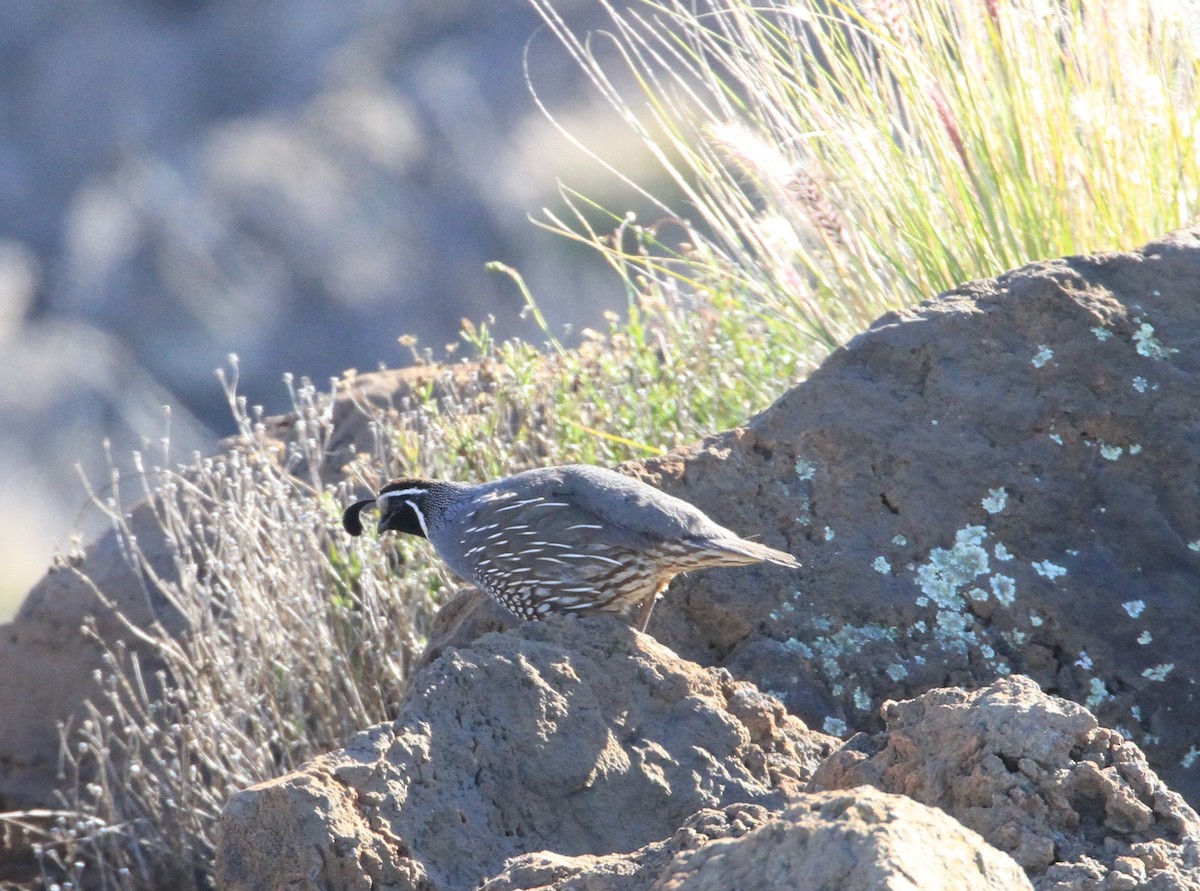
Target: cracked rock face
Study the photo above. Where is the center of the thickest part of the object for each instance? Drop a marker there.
(572, 735)
(1074, 804)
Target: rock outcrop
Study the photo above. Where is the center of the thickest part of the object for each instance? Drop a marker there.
(560, 756)
(863, 840)
(1038, 778)
(851, 841)
(577, 736)
(1005, 479)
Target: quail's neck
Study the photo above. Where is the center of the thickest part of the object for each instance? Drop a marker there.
(442, 500)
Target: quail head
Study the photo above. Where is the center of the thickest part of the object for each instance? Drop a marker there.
(566, 539)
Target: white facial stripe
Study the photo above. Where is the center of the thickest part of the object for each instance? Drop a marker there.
(397, 493)
(420, 516)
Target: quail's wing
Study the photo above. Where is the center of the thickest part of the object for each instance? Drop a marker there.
(532, 548)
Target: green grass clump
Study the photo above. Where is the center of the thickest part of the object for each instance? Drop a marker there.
(851, 157)
(836, 160)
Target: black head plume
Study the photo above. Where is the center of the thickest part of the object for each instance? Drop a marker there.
(351, 521)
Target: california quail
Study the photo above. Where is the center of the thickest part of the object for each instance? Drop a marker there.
(573, 538)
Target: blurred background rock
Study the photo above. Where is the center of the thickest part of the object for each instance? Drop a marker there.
(295, 181)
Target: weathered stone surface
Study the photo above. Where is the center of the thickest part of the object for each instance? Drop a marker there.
(633, 871)
(1075, 804)
(861, 840)
(577, 736)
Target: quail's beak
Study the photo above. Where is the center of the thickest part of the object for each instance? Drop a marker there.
(351, 521)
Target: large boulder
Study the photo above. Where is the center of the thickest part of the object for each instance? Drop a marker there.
(1005, 479)
(574, 735)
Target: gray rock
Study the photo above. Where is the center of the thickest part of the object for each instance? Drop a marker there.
(860, 840)
(1005, 479)
(1075, 804)
(633, 871)
(574, 735)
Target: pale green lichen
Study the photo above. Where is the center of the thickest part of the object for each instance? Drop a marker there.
(1035, 620)
(881, 566)
(1139, 384)
(1042, 356)
(1135, 449)
(1048, 570)
(829, 533)
(1145, 637)
(1112, 453)
(1097, 694)
(834, 726)
(1148, 345)
(1102, 334)
(942, 578)
(1134, 607)
(896, 671)
(799, 646)
(995, 501)
(1004, 589)
(805, 470)
(862, 699)
(899, 541)
(785, 607)
(829, 651)
(1001, 553)
(1159, 672)
(1194, 545)
(1189, 757)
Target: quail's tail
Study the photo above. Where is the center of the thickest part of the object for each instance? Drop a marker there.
(753, 552)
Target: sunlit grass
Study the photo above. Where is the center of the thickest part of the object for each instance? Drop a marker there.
(846, 158)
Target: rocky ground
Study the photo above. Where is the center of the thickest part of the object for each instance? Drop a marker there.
(996, 498)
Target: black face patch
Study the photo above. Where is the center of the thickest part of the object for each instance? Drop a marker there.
(402, 513)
